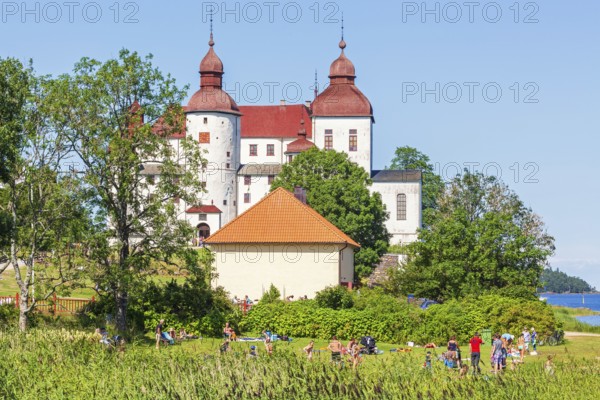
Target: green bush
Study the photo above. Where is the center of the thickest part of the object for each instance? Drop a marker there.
(389, 319)
(334, 297)
(9, 315)
(308, 319)
(271, 296)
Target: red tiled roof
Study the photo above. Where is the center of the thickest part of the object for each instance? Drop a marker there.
(342, 98)
(160, 127)
(203, 209)
(299, 145)
(274, 121)
(280, 218)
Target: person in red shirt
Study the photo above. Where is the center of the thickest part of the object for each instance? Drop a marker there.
(475, 344)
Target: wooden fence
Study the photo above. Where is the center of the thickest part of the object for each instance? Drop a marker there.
(55, 305)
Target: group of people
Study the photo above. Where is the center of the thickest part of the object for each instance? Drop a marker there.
(502, 347)
(169, 336)
(229, 336)
(337, 349)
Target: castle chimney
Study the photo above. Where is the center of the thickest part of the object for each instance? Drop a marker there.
(300, 194)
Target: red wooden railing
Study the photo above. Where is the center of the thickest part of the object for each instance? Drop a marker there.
(244, 307)
(56, 305)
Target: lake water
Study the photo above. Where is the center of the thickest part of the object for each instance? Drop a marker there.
(591, 301)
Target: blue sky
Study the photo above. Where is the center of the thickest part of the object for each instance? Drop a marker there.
(508, 87)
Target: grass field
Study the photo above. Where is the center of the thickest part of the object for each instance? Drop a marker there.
(58, 364)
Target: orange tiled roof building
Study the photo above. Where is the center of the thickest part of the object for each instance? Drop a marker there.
(281, 241)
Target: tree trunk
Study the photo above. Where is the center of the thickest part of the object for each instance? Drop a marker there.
(121, 308)
(23, 312)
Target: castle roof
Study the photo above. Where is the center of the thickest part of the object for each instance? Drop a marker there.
(342, 98)
(273, 121)
(211, 96)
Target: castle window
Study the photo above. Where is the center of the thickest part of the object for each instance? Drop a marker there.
(328, 139)
(224, 202)
(290, 158)
(202, 217)
(270, 149)
(205, 120)
(253, 149)
(247, 180)
(204, 137)
(353, 141)
(227, 165)
(246, 197)
(401, 207)
(228, 154)
(270, 179)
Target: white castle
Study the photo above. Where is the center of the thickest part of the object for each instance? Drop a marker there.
(247, 145)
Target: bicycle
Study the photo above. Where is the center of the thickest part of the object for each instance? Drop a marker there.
(556, 338)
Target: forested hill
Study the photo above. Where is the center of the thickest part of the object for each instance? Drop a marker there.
(559, 282)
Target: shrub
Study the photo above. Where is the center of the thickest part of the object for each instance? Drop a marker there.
(270, 296)
(335, 297)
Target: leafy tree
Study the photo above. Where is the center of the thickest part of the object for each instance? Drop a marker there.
(338, 189)
(482, 237)
(118, 116)
(41, 216)
(407, 157)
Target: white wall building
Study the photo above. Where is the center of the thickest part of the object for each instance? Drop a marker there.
(283, 242)
(247, 145)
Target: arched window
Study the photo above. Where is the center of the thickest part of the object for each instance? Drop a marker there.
(203, 230)
(401, 207)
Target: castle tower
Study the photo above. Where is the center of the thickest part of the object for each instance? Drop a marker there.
(342, 115)
(213, 119)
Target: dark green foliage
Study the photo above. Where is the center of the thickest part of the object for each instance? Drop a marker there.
(9, 315)
(334, 297)
(392, 320)
(500, 314)
(271, 296)
(557, 281)
(338, 189)
(482, 237)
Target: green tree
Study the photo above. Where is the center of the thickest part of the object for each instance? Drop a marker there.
(407, 157)
(482, 237)
(41, 215)
(338, 189)
(118, 116)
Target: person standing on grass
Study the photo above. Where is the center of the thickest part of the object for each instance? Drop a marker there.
(527, 338)
(158, 332)
(309, 350)
(534, 336)
(475, 345)
(496, 355)
(336, 350)
(269, 346)
(521, 346)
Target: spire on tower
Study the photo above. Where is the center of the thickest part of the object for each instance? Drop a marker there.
(211, 42)
(316, 85)
(342, 42)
